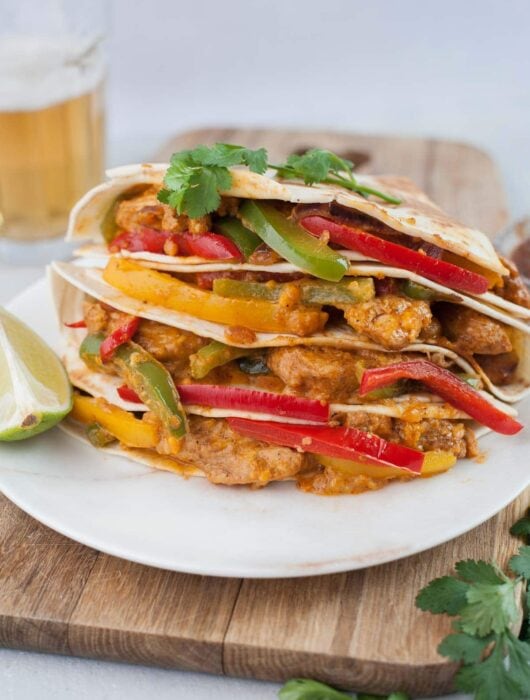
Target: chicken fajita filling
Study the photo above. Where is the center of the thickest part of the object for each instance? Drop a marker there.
(326, 381)
(316, 325)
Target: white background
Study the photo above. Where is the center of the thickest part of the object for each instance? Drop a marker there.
(457, 69)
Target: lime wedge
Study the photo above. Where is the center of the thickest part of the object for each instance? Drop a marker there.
(35, 393)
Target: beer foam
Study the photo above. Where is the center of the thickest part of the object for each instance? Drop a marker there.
(38, 72)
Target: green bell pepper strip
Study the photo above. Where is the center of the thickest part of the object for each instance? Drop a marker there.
(245, 239)
(214, 355)
(146, 376)
(89, 351)
(312, 292)
(98, 436)
(418, 291)
(289, 240)
(108, 226)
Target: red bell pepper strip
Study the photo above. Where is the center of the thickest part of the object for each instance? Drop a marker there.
(445, 384)
(145, 239)
(212, 246)
(76, 324)
(127, 394)
(254, 400)
(391, 253)
(346, 443)
(121, 335)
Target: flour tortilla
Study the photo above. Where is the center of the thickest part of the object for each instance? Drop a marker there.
(70, 283)
(416, 216)
(488, 304)
(86, 217)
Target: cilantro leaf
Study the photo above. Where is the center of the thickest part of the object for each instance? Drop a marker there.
(522, 527)
(306, 689)
(320, 165)
(490, 679)
(463, 647)
(315, 165)
(228, 154)
(519, 661)
(479, 572)
(520, 563)
(443, 595)
(491, 608)
(195, 177)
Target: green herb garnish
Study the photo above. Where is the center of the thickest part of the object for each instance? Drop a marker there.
(306, 689)
(495, 663)
(319, 165)
(195, 177)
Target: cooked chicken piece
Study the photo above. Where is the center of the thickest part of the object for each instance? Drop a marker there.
(230, 458)
(513, 288)
(433, 435)
(320, 373)
(472, 332)
(169, 345)
(101, 318)
(391, 321)
(147, 210)
(371, 423)
(328, 482)
(499, 368)
(432, 332)
(424, 435)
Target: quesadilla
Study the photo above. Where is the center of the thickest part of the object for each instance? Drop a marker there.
(299, 331)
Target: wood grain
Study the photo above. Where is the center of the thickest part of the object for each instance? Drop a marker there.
(358, 630)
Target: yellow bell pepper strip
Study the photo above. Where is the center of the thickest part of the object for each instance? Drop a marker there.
(342, 442)
(129, 430)
(169, 292)
(332, 294)
(448, 386)
(288, 239)
(245, 239)
(213, 355)
(147, 377)
(434, 462)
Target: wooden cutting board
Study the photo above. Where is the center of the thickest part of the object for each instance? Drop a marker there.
(357, 630)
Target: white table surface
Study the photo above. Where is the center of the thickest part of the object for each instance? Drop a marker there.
(454, 70)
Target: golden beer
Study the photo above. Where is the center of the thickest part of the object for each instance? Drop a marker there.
(51, 139)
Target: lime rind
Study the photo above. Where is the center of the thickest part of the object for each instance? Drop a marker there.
(35, 393)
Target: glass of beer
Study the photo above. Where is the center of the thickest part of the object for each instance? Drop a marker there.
(52, 69)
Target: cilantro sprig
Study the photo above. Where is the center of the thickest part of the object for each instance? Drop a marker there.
(483, 600)
(195, 177)
(321, 166)
(495, 664)
(306, 689)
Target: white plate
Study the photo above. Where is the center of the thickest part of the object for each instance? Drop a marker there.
(164, 520)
